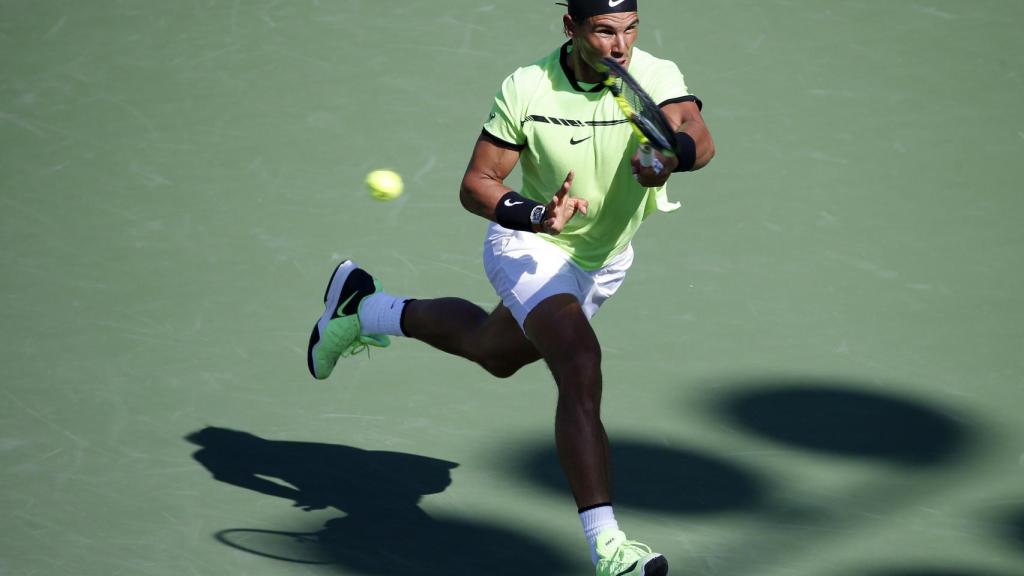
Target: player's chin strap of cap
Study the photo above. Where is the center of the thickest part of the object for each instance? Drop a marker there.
(580, 10)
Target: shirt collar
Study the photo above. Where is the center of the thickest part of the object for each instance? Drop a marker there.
(567, 70)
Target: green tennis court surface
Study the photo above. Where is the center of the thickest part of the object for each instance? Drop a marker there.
(815, 367)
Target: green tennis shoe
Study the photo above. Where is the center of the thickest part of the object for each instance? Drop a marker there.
(621, 557)
(338, 334)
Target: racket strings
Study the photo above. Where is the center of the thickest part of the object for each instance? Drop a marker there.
(648, 115)
(639, 105)
(645, 116)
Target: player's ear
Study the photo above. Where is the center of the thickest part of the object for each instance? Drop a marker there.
(568, 26)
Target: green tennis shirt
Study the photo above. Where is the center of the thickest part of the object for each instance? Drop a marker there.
(559, 125)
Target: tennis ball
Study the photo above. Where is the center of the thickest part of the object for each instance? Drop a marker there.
(384, 184)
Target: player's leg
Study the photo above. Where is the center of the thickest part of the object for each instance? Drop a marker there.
(546, 293)
(562, 333)
(494, 341)
(357, 313)
(560, 329)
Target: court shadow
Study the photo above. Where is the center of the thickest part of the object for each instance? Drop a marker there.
(843, 419)
(658, 478)
(1015, 530)
(906, 441)
(384, 530)
(926, 572)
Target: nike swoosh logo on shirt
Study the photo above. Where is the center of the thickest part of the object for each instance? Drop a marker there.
(511, 203)
(574, 141)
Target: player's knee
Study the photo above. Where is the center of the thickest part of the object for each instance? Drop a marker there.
(500, 358)
(501, 367)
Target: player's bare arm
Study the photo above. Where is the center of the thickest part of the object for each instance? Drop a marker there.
(686, 117)
(483, 187)
(484, 182)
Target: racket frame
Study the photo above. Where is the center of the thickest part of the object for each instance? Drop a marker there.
(648, 134)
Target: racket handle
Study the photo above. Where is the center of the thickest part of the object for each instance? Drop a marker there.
(648, 160)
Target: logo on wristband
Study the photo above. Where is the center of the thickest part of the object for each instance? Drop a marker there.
(537, 214)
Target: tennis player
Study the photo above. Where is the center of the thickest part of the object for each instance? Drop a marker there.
(554, 251)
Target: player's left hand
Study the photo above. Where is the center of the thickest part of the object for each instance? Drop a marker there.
(562, 208)
(648, 177)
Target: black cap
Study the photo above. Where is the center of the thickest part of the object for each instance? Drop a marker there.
(580, 10)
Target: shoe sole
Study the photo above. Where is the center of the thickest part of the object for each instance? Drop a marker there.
(331, 297)
(657, 566)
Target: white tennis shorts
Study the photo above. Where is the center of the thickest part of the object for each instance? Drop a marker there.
(526, 269)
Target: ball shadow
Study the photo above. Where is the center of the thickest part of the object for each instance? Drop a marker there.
(845, 420)
(658, 478)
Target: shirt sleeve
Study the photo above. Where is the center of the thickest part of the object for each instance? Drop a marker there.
(505, 120)
(667, 84)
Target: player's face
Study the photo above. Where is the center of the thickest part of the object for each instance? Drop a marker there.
(604, 36)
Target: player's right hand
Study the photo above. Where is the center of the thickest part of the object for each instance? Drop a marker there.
(562, 208)
(648, 177)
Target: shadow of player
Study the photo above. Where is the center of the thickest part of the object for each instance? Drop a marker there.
(384, 530)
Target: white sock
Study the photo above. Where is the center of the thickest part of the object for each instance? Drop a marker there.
(381, 313)
(595, 521)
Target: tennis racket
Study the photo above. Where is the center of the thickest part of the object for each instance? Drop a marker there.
(650, 125)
